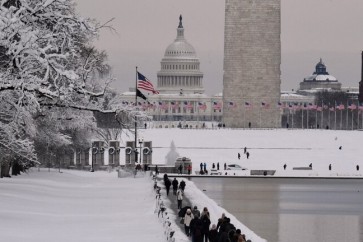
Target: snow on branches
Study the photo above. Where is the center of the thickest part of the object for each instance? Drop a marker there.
(46, 62)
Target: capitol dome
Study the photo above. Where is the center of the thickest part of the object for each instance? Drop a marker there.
(180, 67)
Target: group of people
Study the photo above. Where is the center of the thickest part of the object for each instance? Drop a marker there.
(198, 226)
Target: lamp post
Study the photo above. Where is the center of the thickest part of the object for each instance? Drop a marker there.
(140, 143)
(94, 152)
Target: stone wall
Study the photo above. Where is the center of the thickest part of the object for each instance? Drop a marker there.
(252, 59)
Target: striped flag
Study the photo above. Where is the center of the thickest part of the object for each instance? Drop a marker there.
(352, 106)
(231, 105)
(174, 105)
(340, 107)
(202, 106)
(145, 84)
(217, 105)
(188, 105)
(265, 105)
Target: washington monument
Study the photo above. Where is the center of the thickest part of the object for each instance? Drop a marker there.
(252, 59)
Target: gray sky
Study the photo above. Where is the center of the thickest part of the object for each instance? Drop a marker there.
(311, 29)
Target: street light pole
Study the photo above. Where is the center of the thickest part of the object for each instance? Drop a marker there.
(140, 142)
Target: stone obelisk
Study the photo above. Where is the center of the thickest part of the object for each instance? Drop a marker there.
(252, 59)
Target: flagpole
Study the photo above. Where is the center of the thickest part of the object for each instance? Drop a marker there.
(346, 122)
(302, 117)
(322, 114)
(135, 117)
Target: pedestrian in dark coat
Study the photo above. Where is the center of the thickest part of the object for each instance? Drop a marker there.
(182, 185)
(213, 234)
(201, 166)
(218, 166)
(180, 169)
(213, 166)
(285, 167)
(167, 186)
(205, 167)
(225, 166)
(248, 154)
(156, 170)
(245, 150)
(196, 229)
(175, 184)
(205, 224)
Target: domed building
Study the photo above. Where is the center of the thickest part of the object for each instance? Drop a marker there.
(320, 79)
(181, 99)
(180, 71)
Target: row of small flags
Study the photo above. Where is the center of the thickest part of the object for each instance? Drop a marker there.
(218, 105)
(145, 84)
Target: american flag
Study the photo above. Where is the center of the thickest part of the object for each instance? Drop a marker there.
(188, 105)
(145, 84)
(202, 106)
(174, 105)
(248, 105)
(340, 107)
(265, 105)
(163, 105)
(319, 109)
(231, 105)
(352, 106)
(217, 105)
(279, 105)
(312, 106)
(332, 109)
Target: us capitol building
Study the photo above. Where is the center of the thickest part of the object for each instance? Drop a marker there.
(180, 83)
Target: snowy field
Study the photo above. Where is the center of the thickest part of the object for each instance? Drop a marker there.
(85, 206)
(269, 149)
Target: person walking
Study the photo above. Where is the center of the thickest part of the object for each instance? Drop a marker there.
(182, 185)
(167, 186)
(188, 217)
(239, 156)
(196, 229)
(248, 154)
(213, 234)
(180, 169)
(156, 170)
(189, 169)
(196, 212)
(179, 197)
(285, 167)
(213, 166)
(225, 166)
(205, 167)
(175, 184)
(245, 150)
(329, 167)
(218, 166)
(201, 166)
(205, 218)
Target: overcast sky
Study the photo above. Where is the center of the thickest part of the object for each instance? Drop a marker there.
(311, 29)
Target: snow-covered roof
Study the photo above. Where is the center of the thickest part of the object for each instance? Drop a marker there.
(321, 78)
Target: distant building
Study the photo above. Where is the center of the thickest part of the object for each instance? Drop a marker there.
(320, 79)
(180, 83)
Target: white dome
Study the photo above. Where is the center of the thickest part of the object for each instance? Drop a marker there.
(180, 48)
(321, 78)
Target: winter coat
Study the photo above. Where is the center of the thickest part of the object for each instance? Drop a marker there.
(182, 185)
(196, 229)
(175, 184)
(205, 223)
(188, 218)
(179, 194)
(167, 183)
(213, 235)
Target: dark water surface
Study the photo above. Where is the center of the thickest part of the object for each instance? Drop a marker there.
(292, 210)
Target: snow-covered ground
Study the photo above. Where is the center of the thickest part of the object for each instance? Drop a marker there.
(269, 149)
(85, 206)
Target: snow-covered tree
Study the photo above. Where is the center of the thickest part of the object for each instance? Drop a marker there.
(46, 63)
